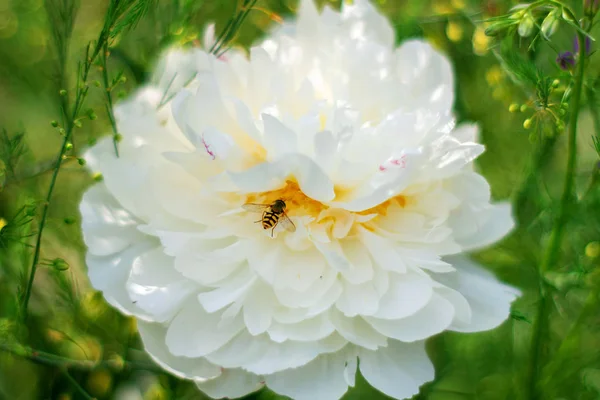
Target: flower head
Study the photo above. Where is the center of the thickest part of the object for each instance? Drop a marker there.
(565, 60)
(357, 138)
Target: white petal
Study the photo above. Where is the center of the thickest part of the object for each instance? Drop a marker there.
(196, 333)
(204, 109)
(110, 273)
(179, 242)
(242, 350)
(176, 68)
(197, 261)
(246, 120)
(471, 187)
(307, 15)
(451, 156)
(156, 287)
(430, 262)
(259, 306)
(309, 330)
(290, 297)
(361, 267)
(264, 259)
(197, 163)
(107, 227)
(325, 147)
(494, 223)
(269, 176)
(292, 354)
(279, 139)
(321, 379)
(350, 369)
(216, 144)
(427, 75)
(299, 270)
(326, 301)
(357, 331)
(153, 336)
(232, 383)
(230, 291)
(432, 319)
(488, 298)
(334, 255)
(383, 251)
(122, 178)
(406, 295)
(467, 133)
(361, 299)
(383, 185)
(261, 355)
(397, 370)
(462, 309)
(365, 20)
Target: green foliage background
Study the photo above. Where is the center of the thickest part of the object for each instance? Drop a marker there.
(70, 320)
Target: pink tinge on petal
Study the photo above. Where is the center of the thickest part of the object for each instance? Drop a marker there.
(394, 162)
(207, 148)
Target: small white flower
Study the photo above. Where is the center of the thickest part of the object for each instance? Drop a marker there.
(358, 139)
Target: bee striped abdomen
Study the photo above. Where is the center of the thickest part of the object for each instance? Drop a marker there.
(270, 219)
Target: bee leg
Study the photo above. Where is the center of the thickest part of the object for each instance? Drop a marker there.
(262, 218)
(273, 230)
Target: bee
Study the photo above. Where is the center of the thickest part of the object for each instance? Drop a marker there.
(272, 214)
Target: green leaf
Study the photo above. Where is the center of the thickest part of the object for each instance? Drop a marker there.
(266, 394)
(362, 390)
(130, 14)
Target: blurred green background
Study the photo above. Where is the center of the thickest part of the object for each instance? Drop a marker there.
(70, 320)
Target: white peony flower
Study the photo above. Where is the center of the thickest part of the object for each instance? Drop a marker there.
(358, 139)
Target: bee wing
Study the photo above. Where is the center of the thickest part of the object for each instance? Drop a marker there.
(255, 207)
(287, 223)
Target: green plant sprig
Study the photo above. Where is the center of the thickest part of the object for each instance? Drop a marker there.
(219, 47)
(108, 87)
(115, 15)
(523, 18)
(552, 252)
(43, 358)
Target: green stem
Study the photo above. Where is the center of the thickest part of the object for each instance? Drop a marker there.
(248, 5)
(553, 249)
(38, 242)
(109, 101)
(81, 93)
(51, 360)
(77, 386)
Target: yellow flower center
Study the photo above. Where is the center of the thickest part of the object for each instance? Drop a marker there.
(298, 204)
